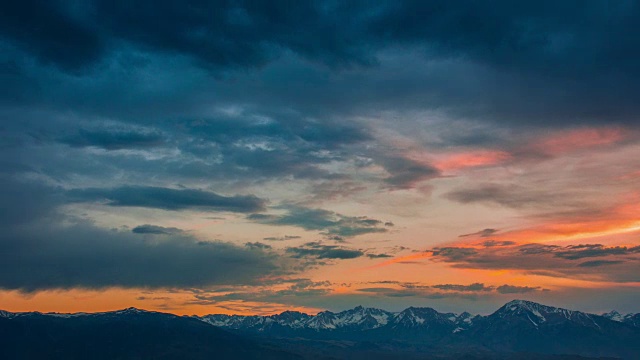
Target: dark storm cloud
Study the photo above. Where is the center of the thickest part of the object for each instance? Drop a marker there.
(321, 251)
(277, 126)
(155, 229)
(215, 33)
(90, 257)
(52, 33)
(512, 62)
(22, 202)
(44, 249)
(542, 35)
(114, 140)
(324, 220)
(168, 199)
(263, 145)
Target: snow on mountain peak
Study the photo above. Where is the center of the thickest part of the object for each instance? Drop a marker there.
(614, 315)
(129, 310)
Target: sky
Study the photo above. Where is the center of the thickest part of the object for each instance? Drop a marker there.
(249, 157)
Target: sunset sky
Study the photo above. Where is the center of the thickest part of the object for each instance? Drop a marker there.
(255, 156)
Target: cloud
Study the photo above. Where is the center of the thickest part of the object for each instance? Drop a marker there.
(43, 248)
(567, 197)
(454, 253)
(379, 256)
(482, 233)
(442, 291)
(258, 245)
(596, 263)
(512, 196)
(470, 287)
(60, 39)
(168, 199)
(314, 102)
(114, 140)
(549, 260)
(512, 289)
(156, 230)
(88, 257)
(319, 251)
(323, 220)
(281, 238)
(491, 243)
(405, 173)
(541, 44)
(271, 291)
(573, 252)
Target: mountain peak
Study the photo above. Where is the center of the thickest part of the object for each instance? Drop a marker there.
(518, 302)
(616, 316)
(130, 310)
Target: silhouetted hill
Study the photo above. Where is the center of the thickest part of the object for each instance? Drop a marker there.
(126, 334)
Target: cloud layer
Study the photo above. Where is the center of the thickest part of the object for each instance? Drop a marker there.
(321, 141)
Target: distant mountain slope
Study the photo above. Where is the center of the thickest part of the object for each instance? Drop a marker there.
(126, 334)
(518, 330)
(631, 319)
(528, 326)
(518, 326)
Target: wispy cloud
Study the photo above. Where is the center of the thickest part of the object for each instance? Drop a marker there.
(329, 222)
(320, 251)
(168, 199)
(156, 230)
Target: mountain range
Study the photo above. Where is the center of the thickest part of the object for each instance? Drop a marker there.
(519, 330)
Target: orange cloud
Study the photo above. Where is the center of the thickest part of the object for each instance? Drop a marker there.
(616, 227)
(618, 220)
(578, 139)
(455, 161)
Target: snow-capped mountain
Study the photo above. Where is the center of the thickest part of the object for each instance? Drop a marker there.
(518, 326)
(538, 314)
(614, 315)
(631, 319)
(356, 319)
(358, 323)
(6, 314)
(517, 316)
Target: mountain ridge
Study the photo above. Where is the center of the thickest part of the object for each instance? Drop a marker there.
(516, 328)
(350, 316)
(410, 317)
